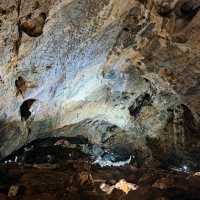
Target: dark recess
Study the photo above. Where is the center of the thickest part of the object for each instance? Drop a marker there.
(126, 29)
(2, 11)
(20, 85)
(34, 27)
(190, 9)
(143, 100)
(24, 109)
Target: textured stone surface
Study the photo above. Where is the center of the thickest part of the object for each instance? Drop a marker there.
(120, 72)
(78, 179)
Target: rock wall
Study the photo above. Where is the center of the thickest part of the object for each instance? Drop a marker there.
(120, 72)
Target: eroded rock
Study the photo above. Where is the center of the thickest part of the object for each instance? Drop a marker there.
(117, 72)
(34, 27)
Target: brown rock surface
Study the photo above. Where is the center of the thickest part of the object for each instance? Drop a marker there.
(45, 184)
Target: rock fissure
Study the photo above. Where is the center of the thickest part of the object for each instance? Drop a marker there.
(19, 32)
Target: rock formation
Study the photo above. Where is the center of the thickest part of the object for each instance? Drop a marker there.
(119, 72)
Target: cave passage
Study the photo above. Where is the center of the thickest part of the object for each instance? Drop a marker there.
(24, 109)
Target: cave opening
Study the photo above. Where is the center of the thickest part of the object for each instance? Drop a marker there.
(24, 109)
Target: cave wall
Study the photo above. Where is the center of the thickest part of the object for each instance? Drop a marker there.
(120, 72)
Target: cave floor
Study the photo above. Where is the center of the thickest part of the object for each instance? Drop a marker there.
(79, 180)
(49, 169)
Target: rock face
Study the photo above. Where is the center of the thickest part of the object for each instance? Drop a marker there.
(119, 72)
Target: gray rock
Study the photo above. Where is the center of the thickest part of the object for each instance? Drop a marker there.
(89, 71)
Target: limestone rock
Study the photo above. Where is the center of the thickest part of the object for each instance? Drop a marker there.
(122, 185)
(111, 70)
(13, 191)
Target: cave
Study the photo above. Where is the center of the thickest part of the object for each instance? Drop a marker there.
(24, 109)
(100, 99)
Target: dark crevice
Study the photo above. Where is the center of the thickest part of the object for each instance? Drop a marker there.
(17, 43)
(18, 7)
(187, 9)
(164, 12)
(24, 109)
(34, 27)
(3, 11)
(28, 16)
(190, 122)
(111, 128)
(126, 29)
(190, 9)
(20, 85)
(140, 101)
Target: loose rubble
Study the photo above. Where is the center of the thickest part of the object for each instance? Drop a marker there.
(76, 177)
(120, 185)
(13, 191)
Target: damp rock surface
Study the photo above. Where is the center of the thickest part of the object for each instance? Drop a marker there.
(121, 73)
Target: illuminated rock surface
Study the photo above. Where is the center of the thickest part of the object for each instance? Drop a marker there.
(118, 72)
